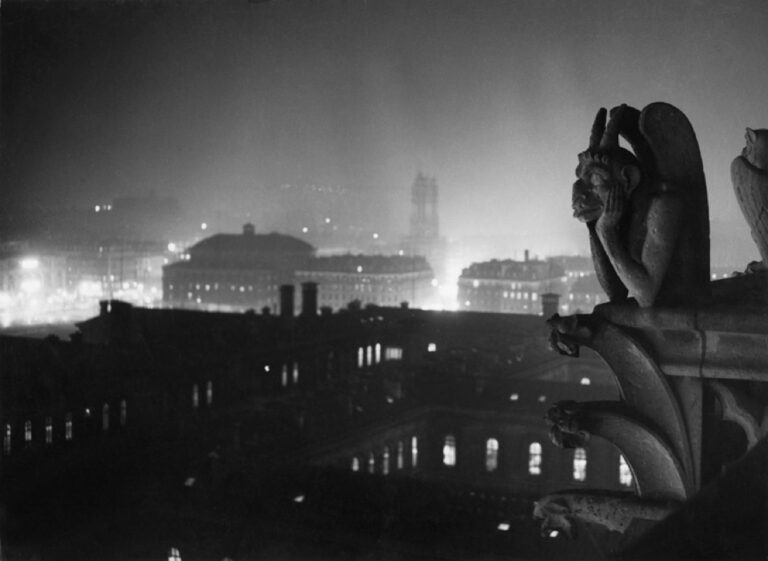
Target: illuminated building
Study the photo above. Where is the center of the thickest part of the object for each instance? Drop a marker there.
(424, 234)
(509, 286)
(585, 293)
(231, 271)
(385, 280)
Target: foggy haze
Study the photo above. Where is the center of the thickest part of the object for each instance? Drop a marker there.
(216, 103)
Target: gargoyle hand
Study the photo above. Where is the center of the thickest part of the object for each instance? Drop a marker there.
(613, 210)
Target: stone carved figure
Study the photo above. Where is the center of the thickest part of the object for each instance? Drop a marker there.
(646, 212)
(749, 175)
(611, 510)
(564, 420)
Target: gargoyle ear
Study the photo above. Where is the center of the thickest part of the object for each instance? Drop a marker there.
(751, 135)
(631, 175)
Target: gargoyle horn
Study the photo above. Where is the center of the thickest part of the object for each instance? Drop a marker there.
(598, 128)
(610, 138)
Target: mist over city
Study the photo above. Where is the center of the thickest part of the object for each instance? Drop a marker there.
(369, 203)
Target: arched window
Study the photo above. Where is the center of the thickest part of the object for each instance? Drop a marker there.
(123, 413)
(580, 464)
(414, 452)
(284, 375)
(534, 458)
(105, 417)
(371, 463)
(27, 432)
(369, 355)
(48, 430)
(209, 392)
(491, 454)
(195, 396)
(7, 439)
(377, 353)
(360, 357)
(625, 474)
(68, 426)
(449, 450)
(400, 455)
(385, 461)
(355, 464)
(174, 554)
(295, 373)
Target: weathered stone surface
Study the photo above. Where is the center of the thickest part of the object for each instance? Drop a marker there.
(647, 213)
(749, 175)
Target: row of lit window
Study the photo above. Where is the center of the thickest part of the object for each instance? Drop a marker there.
(400, 458)
(534, 459)
(208, 394)
(68, 426)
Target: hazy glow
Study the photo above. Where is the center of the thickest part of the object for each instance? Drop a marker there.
(29, 263)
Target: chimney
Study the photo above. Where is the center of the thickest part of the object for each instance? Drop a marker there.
(286, 300)
(248, 229)
(527, 255)
(308, 299)
(550, 304)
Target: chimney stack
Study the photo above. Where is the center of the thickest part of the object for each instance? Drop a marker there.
(527, 255)
(550, 304)
(308, 299)
(286, 300)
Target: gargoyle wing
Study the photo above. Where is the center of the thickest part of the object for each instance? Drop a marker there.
(677, 158)
(751, 187)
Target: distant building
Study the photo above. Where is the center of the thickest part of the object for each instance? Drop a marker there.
(509, 286)
(575, 266)
(424, 235)
(385, 280)
(235, 271)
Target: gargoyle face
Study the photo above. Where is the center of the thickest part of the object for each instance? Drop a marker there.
(590, 192)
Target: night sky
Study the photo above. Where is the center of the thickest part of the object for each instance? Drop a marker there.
(212, 102)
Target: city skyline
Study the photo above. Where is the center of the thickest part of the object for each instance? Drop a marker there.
(215, 103)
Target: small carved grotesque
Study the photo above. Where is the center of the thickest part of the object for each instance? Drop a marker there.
(564, 420)
(614, 512)
(646, 211)
(749, 175)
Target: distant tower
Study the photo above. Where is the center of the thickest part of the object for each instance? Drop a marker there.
(425, 224)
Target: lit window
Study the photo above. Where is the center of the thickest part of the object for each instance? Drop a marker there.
(377, 353)
(534, 296)
(27, 431)
(48, 430)
(7, 440)
(449, 451)
(393, 353)
(542, 398)
(360, 357)
(68, 426)
(580, 464)
(123, 413)
(174, 555)
(491, 454)
(385, 461)
(371, 463)
(585, 381)
(355, 464)
(400, 455)
(284, 375)
(514, 397)
(414, 451)
(431, 348)
(369, 355)
(105, 417)
(295, 372)
(195, 396)
(534, 458)
(625, 474)
(266, 368)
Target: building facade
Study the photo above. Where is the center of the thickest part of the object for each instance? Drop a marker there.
(384, 280)
(509, 286)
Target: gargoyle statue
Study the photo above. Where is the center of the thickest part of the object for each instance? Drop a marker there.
(564, 420)
(605, 508)
(646, 212)
(749, 175)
